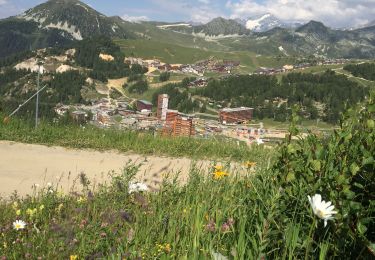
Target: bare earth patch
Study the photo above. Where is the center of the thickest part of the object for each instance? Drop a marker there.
(23, 165)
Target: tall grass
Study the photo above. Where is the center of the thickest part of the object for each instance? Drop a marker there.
(126, 141)
(234, 217)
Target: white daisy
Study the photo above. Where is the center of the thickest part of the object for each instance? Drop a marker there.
(324, 210)
(19, 224)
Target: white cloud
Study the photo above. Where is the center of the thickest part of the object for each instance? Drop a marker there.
(135, 19)
(189, 10)
(336, 13)
(3, 2)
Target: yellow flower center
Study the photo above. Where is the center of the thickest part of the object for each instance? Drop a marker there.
(320, 213)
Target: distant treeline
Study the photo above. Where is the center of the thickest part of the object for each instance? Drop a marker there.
(365, 70)
(259, 91)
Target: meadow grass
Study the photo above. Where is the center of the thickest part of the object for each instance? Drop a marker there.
(73, 136)
(235, 216)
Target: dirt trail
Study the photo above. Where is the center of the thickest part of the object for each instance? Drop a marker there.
(22, 165)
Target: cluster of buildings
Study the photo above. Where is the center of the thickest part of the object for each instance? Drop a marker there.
(199, 68)
(299, 66)
(198, 83)
(285, 68)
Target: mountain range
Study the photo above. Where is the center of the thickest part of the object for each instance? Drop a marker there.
(60, 22)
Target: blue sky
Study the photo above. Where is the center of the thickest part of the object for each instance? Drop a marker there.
(335, 13)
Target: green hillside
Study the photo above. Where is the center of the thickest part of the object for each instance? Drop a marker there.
(172, 53)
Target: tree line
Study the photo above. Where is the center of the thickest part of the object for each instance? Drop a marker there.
(273, 99)
(365, 70)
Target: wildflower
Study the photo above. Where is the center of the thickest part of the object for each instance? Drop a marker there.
(211, 226)
(225, 227)
(15, 205)
(218, 256)
(218, 168)
(59, 208)
(230, 222)
(41, 207)
(217, 175)
(323, 210)
(137, 187)
(73, 257)
(19, 224)
(249, 164)
(81, 200)
(31, 212)
(259, 141)
(18, 212)
(167, 248)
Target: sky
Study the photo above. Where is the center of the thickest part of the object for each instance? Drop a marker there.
(334, 13)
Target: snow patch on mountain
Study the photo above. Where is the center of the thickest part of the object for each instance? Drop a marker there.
(84, 7)
(173, 25)
(267, 22)
(255, 24)
(281, 48)
(64, 26)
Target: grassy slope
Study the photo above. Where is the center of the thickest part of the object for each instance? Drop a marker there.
(173, 53)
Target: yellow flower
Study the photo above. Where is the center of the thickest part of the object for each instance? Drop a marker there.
(81, 200)
(219, 175)
(15, 205)
(18, 212)
(184, 211)
(167, 248)
(41, 207)
(59, 208)
(218, 168)
(249, 164)
(73, 257)
(31, 212)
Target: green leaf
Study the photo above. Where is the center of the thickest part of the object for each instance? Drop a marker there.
(341, 179)
(361, 228)
(354, 168)
(290, 177)
(291, 149)
(368, 160)
(316, 165)
(370, 123)
(349, 194)
(355, 205)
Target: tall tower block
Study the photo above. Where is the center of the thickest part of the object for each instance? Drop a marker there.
(163, 100)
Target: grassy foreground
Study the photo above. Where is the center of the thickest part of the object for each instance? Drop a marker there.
(218, 214)
(72, 136)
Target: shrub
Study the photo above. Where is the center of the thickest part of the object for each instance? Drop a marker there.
(164, 76)
(139, 87)
(340, 168)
